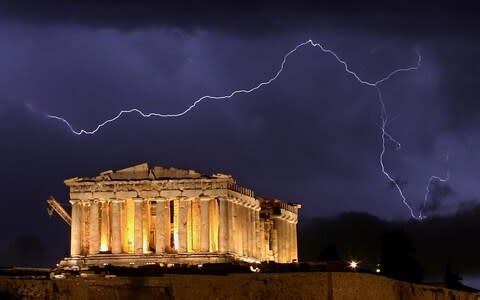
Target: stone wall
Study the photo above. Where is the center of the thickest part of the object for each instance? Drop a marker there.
(328, 286)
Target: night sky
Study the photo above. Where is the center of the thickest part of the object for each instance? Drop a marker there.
(312, 136)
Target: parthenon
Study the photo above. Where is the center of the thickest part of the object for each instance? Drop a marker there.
(141, 215)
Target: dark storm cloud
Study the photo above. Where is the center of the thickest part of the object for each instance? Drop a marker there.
(437, 240)
(252, 17)
(314, 130)
(439, 192)
(464, 104)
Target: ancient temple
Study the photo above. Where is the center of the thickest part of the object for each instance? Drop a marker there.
(141, 215)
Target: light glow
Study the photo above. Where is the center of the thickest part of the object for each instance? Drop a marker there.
(254, 269)
(103, 247)
(353, 264)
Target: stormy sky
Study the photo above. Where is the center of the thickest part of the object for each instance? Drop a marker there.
(312, 136)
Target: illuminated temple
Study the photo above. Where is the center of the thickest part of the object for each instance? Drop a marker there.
(141, 215)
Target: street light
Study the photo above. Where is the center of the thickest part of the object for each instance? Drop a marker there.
(353, 265)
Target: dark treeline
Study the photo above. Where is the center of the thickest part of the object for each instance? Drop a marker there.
(437, 241)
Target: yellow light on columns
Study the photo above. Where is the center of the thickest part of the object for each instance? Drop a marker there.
(175, 240)
(146, 228)
(130, 207)
(176, 209)
(213, 228)
(146, 245)
(105, 227)
(103, 247)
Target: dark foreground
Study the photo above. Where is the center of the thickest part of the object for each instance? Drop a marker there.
(288, 285)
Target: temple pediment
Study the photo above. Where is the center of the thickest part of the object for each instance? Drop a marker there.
(144, 172)
(136, 172)
(161, 173)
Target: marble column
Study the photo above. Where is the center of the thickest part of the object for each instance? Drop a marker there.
(182, 224)
(204, 225)
(85, 226)
(294, 240)
(274, 237)
(281, 240)
(223, 226)
(123, 225)
(146, 226)
(116, 228)
(258, 236)
(236, 228)
(285, 240)
(94, 230)
(189, 225)
(76, 238)
(268, 227)
(196, 224)
(230, 226)
(244, 229)
(214, 225)
(138, 225)
(291, 246)
(253, 235)
(161, 235)
(289, 241)
(104, 226)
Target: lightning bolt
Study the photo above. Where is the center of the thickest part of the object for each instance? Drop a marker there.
(375, 84)
(433, 179)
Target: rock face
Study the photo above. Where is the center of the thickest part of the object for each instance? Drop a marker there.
(328, 286)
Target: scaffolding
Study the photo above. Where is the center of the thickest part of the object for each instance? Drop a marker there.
(58, 208)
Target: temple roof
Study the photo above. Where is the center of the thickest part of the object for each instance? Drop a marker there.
(144, 172)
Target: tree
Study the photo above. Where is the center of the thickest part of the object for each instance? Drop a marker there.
(27, 250)
(329, 253)
(397, 258)
(452, 280)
